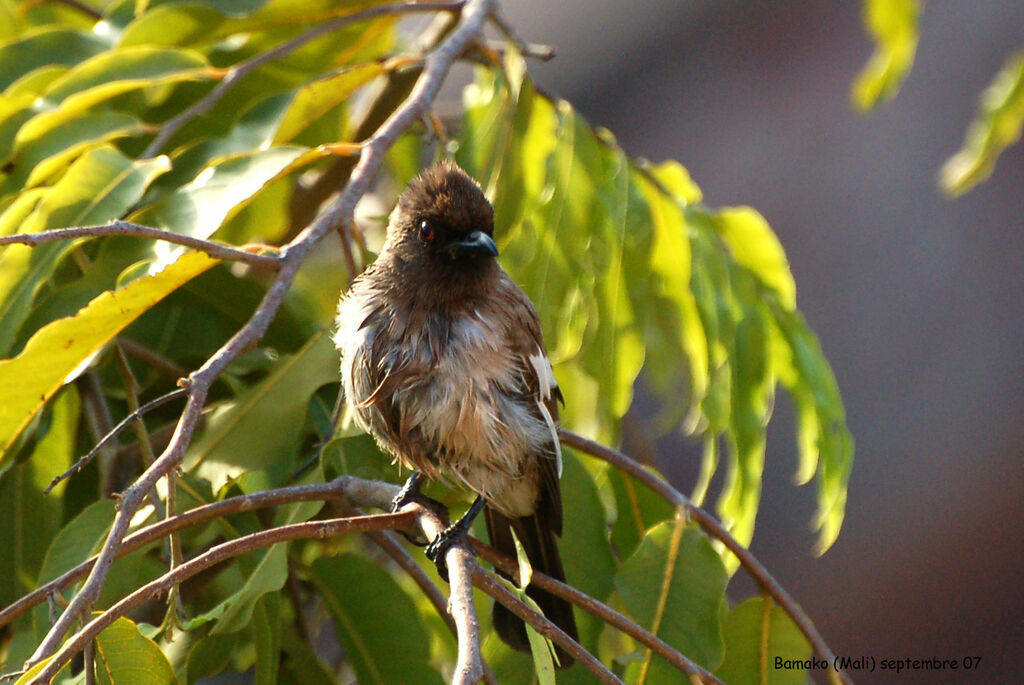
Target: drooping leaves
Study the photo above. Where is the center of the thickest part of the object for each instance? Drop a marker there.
(630, 274)
(998, 126)
(893, 26)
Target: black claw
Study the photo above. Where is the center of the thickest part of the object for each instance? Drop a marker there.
(409, 494)
(451, 536)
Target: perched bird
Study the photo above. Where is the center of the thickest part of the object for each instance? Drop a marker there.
(443, 362)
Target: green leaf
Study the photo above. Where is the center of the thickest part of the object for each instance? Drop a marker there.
(682, 333)
(199, 208)
(98, 187)
(50, 45)
(997, 126)
(261, 428)
(124, 656)
(78, 540)
(375, 621)
(253, 131)
(756, 633)
(33, 518)
(674, 585)
(119, 71)
(826, 446)
(56, 351)
(184, 24)
(589, 565)
(211, 655)
(47, 143)
(638, 508)
(318, 97)
(235, 612)
(267, 638)
(750, 410)
(756, 248)
(893, 26)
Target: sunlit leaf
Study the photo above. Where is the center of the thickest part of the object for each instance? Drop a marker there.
(125, 656)
(199, 208)
(318, 97)
(997, 127)
(893, 26)
(47, 143)
(98, 187)
(120, 71)
(58, 349)
(755, 247)
(826, 446)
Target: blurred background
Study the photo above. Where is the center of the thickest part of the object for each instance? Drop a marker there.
(917, 299)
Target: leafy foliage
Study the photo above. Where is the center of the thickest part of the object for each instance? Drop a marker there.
(633, 277)
(656, 279)
(998, 126)
(893, 24)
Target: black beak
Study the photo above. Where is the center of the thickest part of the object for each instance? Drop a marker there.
(476, 244)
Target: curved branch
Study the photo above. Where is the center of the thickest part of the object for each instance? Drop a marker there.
(240, 70)
(706, 521)
(215, 555)
(335, 489)
(601, 611)
(293, 255)
(118, 227)
(500, 593)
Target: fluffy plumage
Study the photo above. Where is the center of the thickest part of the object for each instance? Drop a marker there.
(443, 362)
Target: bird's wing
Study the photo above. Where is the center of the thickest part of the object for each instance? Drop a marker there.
(542, 390)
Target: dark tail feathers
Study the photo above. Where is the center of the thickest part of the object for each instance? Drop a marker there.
(542, 550)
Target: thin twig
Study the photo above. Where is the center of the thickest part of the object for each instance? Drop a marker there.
(240, 70)
(152, 359)
(541, 52)
(118, 227)
(215, 555)
(708, 522)
(335, 489)
(598, 609)
(113, 433)
(542, 625)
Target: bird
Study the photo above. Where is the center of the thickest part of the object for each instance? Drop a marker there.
(443, 362)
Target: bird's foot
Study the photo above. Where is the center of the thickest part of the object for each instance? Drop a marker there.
(437, 551)
(453, 535)
(410, 494)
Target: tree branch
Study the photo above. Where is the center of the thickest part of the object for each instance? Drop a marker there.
(215, 555)
(601, 611)
(706, 521)
(542, 625)
(240, 70)
(372, 155)
(118, 227)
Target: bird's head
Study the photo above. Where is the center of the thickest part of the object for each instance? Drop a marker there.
(443, 219)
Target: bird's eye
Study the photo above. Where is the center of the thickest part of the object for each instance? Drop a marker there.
(426, 231)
